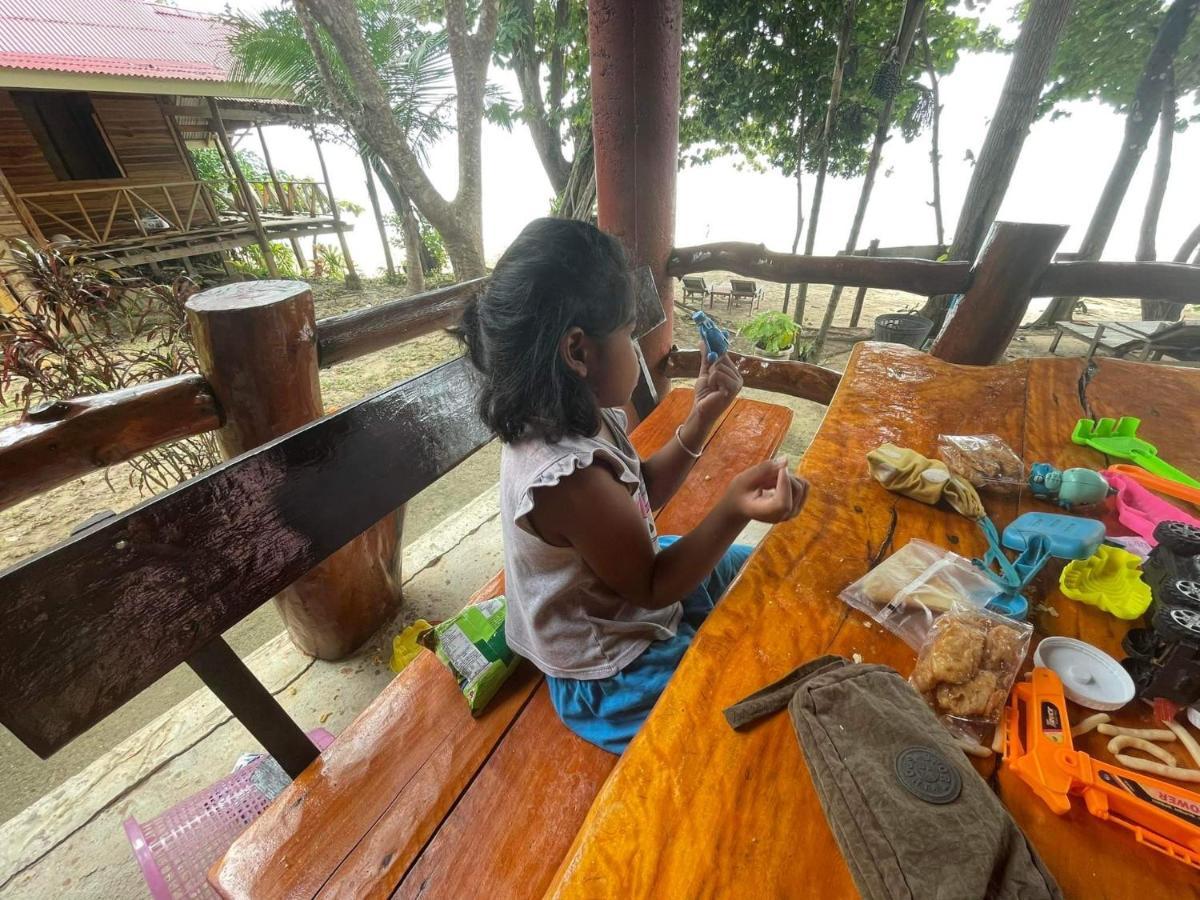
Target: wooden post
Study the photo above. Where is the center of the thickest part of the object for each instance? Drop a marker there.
(352, 279)
(256, 344)
(634, 48)
(284, 205)
(862, 291)
(383, 238)
(247, 195)
(1012, 259)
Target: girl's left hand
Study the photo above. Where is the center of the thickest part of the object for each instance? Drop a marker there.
(716, 386)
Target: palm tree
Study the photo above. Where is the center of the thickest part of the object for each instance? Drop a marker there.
(414, 63)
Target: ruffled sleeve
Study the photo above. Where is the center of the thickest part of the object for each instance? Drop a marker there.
(571, 460)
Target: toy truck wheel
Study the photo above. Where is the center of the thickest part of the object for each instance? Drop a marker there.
(1140, 670)
(1179, 537)
(1181, 593)
(1140, 644)
(1178, 623)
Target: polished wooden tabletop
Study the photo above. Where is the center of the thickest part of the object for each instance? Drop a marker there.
(694, 809)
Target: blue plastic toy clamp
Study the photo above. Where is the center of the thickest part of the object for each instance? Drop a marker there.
(1036, 537)
(715, 338)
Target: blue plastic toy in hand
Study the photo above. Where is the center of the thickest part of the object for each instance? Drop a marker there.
(715, 338)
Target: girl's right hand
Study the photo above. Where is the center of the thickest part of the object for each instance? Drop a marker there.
(767, 492)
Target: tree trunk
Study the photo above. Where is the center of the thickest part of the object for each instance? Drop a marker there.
(1015, 112)
(411, 229)
(835, 97)
(1139, 125)
(1190, 243)
(935, 153)
(1156, 310)
(578, 198)
(527, 66)
(787, 289)
(914, 10)
(368, 111)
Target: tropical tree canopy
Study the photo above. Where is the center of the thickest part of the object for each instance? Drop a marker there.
(756, 78)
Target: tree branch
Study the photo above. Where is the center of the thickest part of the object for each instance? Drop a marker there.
(527, 67)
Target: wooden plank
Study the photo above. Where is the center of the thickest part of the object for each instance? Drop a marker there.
(918, 276)
(785, 376)
(1087, 856)
(64, 439)
(423, 748)
(95, 620)
(542, 774)
(689, 788)
(1012, 257)
(354, 334)
(1178, 282)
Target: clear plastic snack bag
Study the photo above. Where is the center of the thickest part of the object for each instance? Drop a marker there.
(909, 590)
(968, 664)
(985, 460)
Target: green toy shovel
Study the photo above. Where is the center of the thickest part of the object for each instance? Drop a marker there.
(1119, 438)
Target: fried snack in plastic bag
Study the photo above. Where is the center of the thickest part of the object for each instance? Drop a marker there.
(968, 664)
(907, 591)
(985, 460)
(471, 645)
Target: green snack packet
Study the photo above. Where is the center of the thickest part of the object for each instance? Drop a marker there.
(471, 645)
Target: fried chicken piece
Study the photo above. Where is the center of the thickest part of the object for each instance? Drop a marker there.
(1002, 649)
(974, 698)
(922, 676)
(955, 653)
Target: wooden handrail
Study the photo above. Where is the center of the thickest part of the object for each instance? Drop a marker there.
(783, 376)
(65, 439)
(363, 331)
(918, 276)
(1178, 282)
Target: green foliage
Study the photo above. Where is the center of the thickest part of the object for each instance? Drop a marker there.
(773, 332)
(81, 330)
(328, 262)
(249, 260)
(555, 38)
(434, 258)
(756, 77)
(1103, 50)
(210, 168)
(412, 59)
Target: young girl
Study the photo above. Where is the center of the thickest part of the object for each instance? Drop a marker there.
(596, 600)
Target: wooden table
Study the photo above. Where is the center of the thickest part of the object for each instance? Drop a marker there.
(696, 810)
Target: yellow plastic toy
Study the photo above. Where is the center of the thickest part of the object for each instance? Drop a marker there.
(405, 647)
(1110, 579)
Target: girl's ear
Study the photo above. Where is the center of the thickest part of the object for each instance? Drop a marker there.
(573, 348)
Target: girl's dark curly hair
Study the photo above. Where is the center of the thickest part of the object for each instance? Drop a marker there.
(557, 274)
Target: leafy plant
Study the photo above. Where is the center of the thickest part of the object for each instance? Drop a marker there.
(79, 330)
(249, 260)
(773, 332)
(328, 262)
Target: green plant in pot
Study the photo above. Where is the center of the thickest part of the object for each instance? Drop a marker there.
(772, 333)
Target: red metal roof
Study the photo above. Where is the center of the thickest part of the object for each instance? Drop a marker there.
(113, 37)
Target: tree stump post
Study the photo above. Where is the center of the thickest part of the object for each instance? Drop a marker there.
(257, 345)
(1012, 259)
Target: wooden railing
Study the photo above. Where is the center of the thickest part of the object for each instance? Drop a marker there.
(105, 213)
(66, 439)
(102, 214)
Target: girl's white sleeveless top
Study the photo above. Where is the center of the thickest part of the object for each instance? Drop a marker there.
(560, 615)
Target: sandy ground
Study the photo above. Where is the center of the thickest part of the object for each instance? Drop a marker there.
(44, 520)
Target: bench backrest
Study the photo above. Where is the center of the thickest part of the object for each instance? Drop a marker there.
(694, 283)
(737, 286)
(90, 623)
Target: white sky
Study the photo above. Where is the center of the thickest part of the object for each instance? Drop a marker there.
(1062, 169)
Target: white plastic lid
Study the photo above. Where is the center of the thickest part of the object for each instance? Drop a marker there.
(1194, 715)
(1090, 676)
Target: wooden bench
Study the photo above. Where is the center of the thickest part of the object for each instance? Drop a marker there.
(91, 622)
(416, 798)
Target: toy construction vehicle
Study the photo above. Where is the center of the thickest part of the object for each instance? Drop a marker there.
(1164, 657)
(1160, 814)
